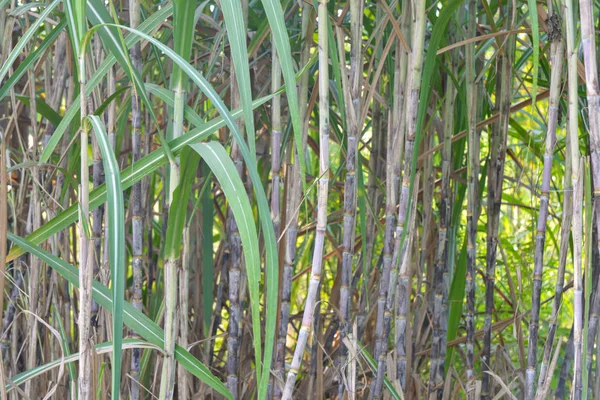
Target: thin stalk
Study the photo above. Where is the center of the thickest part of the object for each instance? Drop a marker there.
(472, 197)
(376, 170)
(184, 294)
(495, 181)
(85, 383)
(323, 193)
(441, 279)
(137, 213)
(561, 392)
(236, 276)
(276, 144)
(588, 41)
(555, 90)
(404, 340)
(565, 234)
(35, 265)
(353, 107)
(577, 223)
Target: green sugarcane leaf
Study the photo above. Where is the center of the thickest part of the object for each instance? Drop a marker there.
(178, 208)
(236, 32)
(42, 108)
(116, 226)
(136, 320)
(16, 50)
(70, 359)
(113, 41)
(535, 34)
(31, 58)
(99, 74)
(129, 175)
(66, 351)
(224, 170)
(276, 20)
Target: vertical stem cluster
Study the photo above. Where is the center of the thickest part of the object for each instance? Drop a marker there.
(317, 258)
(498, 144)
(555, 89)
(441, 279)
(353, 107)
(400, 251)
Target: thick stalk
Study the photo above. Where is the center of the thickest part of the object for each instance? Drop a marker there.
(472, 198)
(353, 107)
(184, 294)
(170, 269)
(322, 196)
(495, 180)
(137, 213)
(441, 279)
(555, 89)
(577, 230)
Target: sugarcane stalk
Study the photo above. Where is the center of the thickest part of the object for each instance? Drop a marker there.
(441, 279)
(495, 182)
(561, 392)
(85, 383)
(276, 144)
(588, 42)
(565, 233)
(353, 110)
(322, 196)
(472, 198)
(183, 15)
(553, 108)
(577, 222)
(376, 170)
(184, 293)
(35, 265)
(137, 212)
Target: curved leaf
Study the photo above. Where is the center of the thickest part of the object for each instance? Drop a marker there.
(137, 321)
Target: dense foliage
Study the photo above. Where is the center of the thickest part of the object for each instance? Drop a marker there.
(278, 199)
